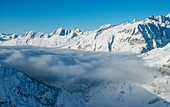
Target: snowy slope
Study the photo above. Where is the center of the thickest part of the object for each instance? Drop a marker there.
(158, 58)
(137, 36)
(17, 89)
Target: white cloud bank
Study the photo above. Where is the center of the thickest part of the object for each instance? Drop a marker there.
(65, 67)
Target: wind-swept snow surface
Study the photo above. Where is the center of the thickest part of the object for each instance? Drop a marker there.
(98, 79)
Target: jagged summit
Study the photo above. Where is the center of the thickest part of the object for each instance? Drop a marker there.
(33, 34)
(30, 33)
(76, 30)
(105, 26)
(160, 19)
(134, 21)
(61, 32)
(168, 15)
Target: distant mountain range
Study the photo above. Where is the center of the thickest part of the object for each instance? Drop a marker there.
(137, 36)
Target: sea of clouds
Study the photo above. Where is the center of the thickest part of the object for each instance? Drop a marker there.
(64, 67)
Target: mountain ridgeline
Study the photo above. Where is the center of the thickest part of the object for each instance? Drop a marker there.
(137, 36)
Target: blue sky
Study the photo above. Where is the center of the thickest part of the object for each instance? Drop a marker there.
(19, 16)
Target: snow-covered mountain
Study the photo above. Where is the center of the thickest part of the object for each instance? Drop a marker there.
(114, 77)
(137, 36)
(17, 89)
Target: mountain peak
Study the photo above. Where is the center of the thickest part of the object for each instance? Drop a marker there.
(168, 15)
(76, 30)
(60, 29)
(160, 18)
(134, 21)
(32, 31)
(61, 32)
(105, 26)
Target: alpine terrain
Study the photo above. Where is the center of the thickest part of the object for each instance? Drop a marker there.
(123, 65)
